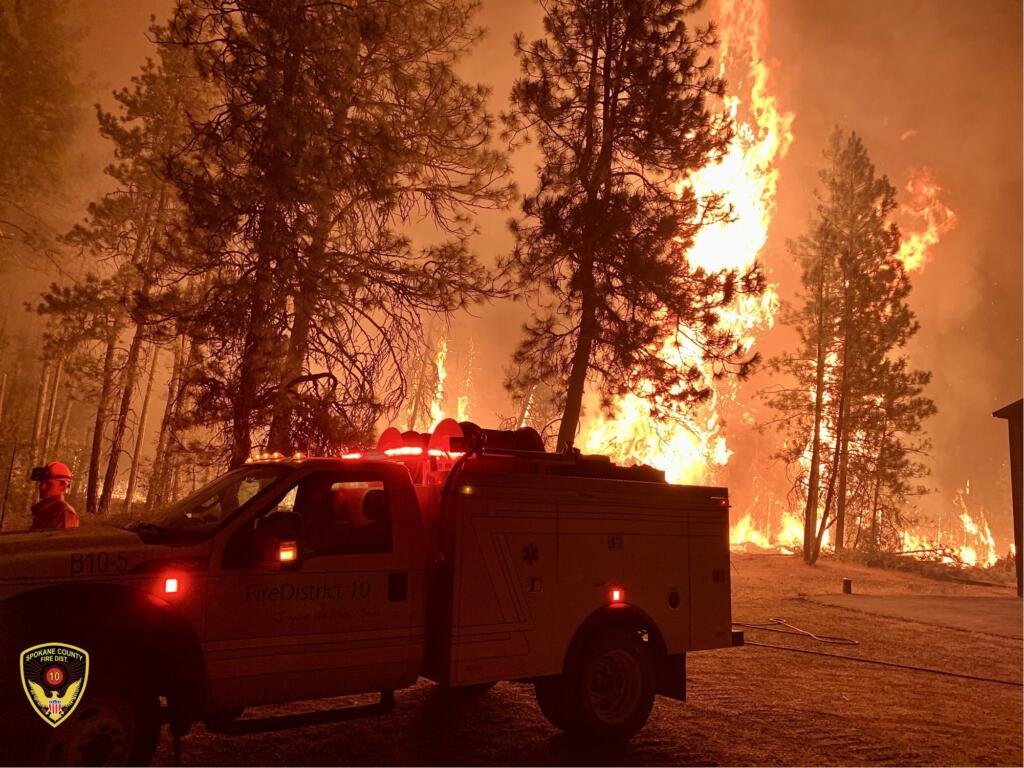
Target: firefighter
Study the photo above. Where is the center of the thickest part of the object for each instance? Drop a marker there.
(52, 511)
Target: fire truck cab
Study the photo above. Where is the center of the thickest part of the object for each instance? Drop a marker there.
(467, 556)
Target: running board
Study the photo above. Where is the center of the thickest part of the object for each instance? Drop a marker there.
(283, 722)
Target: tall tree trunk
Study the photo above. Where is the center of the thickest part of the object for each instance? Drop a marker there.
(140, 431)
(879, 464)
(253, 370)
(580, 364)
(844, 458)
(131, 371)
(131, 376)
(599, 180)
(51, 408)
(62, 429)
(814, 479)
(100, 422)
(37, 422)
(830, 490)
(280, 435)
(253, 367)
(160, 474)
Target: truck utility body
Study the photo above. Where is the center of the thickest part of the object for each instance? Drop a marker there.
(466, 556)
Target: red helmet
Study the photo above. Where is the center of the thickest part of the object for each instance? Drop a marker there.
(58, 470)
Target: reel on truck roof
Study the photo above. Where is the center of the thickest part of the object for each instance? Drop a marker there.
(453, 437)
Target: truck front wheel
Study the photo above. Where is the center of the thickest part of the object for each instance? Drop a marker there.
(607, 690)
(111, 726)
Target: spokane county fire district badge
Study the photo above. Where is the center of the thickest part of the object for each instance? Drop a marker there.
(54, 677)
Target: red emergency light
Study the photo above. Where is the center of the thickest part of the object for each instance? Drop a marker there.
(617, 594)
(288, 552)
(170, 585)
(404, 450)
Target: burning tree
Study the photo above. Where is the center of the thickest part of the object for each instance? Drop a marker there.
(855, 413)
(616, 96)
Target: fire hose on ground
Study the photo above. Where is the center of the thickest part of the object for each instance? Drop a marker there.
(776, 625)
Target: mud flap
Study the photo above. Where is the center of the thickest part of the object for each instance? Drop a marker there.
(672, 677)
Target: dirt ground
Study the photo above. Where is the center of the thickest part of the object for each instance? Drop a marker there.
(746, 706)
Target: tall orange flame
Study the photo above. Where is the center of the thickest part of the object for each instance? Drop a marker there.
(690, 447)
(929, 219)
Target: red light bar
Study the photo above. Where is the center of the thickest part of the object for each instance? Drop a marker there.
(352, 456)
(404, 450)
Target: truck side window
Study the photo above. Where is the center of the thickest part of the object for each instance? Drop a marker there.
(342, 515)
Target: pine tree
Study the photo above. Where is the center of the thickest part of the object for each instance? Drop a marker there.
(864, 414)
(616, 97)
(336, 124)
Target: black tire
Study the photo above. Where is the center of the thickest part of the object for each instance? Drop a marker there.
(115, 726)
(551, 695)
(609, 686)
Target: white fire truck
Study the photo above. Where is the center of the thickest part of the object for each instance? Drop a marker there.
(467, 556)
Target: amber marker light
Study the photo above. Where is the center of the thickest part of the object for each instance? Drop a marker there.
(288, 551)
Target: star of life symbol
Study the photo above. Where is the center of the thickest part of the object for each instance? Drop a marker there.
(54, 676)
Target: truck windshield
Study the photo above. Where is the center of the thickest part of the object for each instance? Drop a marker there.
(207, 507)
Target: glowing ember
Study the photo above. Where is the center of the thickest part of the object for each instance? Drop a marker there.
(929, 217)
(691, 447)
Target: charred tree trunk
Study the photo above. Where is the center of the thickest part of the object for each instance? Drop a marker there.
(100, 422)
(600, 179)
(844, 458)
(879, 464)
(253, 367)
(829, 493)
(140, 432)
(63, 427)
(814, 479)
(51, 408)
(580, 364)
(37, 422)
(158, 478)
(131, 375)
(280, 435)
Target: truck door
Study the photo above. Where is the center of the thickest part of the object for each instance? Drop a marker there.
(311, 597)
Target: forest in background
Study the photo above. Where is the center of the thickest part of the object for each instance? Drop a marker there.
(258, 258)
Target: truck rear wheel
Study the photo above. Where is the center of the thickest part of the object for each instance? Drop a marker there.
(607, 690)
